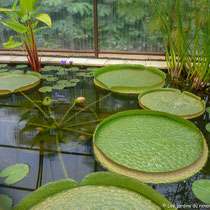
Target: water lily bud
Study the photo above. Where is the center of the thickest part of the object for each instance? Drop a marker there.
(80, 100)
(82, 138)
(71, 62)
(47, 101)
(39, 129)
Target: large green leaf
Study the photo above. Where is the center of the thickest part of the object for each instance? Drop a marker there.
(97, 191)
(18, 27)
(173, 101)
(27, 5)
(5, 202)
(146, 144)
(201, 188)
(12, 44)
(45, 19)
(15, 173)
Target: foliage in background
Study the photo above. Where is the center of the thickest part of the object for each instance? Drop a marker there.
(119, 28)
(23, 19)
(185, 30)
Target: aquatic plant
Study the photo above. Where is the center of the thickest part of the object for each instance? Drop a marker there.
(186, 39)
(14, 174)
(45, 122)
(201, 189)
(24, 21)
(96, 191)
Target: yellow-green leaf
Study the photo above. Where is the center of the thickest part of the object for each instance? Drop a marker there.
(45, 19)
(18, 27)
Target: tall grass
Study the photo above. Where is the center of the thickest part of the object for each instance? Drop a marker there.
(184, 26)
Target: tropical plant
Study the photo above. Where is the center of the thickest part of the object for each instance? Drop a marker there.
(184, 27)
(14, 174)
(24, 20)
(51, 129)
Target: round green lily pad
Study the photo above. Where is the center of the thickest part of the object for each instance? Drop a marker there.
(129, 79)
(46, 76)
(102, 190)
(21, 66)
(59, 87)
(45, 89)
(52, 79)
(10, 83)
(61, 73)
(16, 72)
(152, 146)
(208, 127)
(75, 80)
(173, 101)
(3, 65)
(3, 70)
(63, 82)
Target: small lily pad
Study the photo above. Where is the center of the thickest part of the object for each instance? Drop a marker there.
(80, 74)
(61, 73)
(59, 87)
(47, 101)
(16, 72)
(45, 89)
(46, 76)
(21, 66)
(208, 109)
(5, 202)
(15, 173)
(208, 127)
(62, 82)
(3, 65)
(71, 84)
(75, 80)
(52, 79)
(3, 70)
(201, 189)
(73, 69)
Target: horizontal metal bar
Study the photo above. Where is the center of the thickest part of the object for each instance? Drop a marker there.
(17, 188)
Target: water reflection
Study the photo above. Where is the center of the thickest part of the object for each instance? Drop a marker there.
(76, 153)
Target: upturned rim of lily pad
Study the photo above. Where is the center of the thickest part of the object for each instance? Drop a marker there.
(21, 88)
(125, 89)
(197, 99)
(151, 177)
(102, 179)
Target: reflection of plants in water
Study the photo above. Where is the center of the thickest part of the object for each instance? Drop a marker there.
(51, 129)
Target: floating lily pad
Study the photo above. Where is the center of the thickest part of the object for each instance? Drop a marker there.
(208, 127)
(129, 79)
(75, 80)
(72, 69)
(61, 73)
(71, 84)
(10, 83)
(3, 70)
(3, 65)
(152, 146)
(59, 87)
(201, 188)
(5, 202)
(208, 109)
(45, 89)
(21, 66)
(52, 79)
(15, 173)
(89, 74)
(63, 82)
(16, 72)
(46, 76)
(173, 101)
(102, 190)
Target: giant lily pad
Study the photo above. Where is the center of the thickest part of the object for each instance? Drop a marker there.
(173, 101)
(102, 190)
(10, 83)
(5, 202)
(152, 146)
(129, 79)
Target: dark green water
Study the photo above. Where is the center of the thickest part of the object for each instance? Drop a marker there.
(77, 154)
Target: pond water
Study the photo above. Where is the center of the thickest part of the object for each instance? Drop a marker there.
(77, 153)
